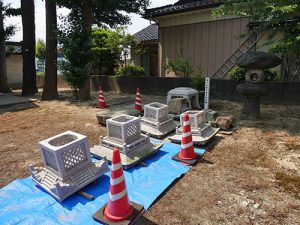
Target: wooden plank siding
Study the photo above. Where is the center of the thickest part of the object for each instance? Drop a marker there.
(206, 44)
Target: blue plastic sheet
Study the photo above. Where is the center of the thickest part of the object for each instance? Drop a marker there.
(23, 202)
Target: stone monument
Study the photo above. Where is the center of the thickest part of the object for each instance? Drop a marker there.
(255, 63)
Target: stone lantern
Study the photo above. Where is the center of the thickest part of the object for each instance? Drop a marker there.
(255, 63)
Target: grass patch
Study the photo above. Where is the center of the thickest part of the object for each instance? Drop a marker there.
(290, 183)
(40, 73)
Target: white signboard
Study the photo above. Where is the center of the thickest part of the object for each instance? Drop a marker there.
(206, 94)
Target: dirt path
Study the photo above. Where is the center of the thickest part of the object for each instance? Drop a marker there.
(250, 177)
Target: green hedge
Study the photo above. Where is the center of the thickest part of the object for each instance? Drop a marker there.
(131, 71)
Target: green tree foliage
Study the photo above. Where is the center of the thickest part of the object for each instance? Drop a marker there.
(74, 40)
(275, 16)
(109, 13)
(129, 43)
(104, 13)
(105, 49)
(8, 11)
(40, 50)
(108, 48)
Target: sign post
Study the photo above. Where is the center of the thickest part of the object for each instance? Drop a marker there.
(206, 94)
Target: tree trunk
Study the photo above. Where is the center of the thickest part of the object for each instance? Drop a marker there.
(50, 82)
(28, 48)
(4, 88)
(84, 92)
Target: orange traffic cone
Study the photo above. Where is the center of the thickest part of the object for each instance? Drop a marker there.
(138, 102)
(101, 101)
(187, 152)
(118, 208)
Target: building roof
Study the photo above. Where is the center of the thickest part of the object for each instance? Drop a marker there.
(149, 33)
(181, 6)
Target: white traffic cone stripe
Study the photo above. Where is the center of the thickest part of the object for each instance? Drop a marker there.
(185, 146)
(117, 196)
(185, 123)
(187, 134)
(137, 98)
(116, 180)
(138, 103)
(101, 100)
(117, 166)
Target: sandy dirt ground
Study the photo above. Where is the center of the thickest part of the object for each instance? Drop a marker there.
(249, 177)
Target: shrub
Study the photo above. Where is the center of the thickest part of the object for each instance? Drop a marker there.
(271, 75)
(238, 74)
(179, 64)
(198, 82)
(131, 71)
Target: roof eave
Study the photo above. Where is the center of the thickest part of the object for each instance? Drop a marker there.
(150, 42)
(151, 15)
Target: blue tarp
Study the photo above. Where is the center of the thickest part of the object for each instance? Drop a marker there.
(22, 202)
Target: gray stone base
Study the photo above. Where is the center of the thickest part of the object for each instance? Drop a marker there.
(161, 132)
(62, 188)
(114, 111)
(132, 158)
(197, 140)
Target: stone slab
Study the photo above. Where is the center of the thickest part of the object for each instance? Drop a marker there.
(8, 100)
(159, 134)
(115, 111)
(131, 159)
(197, 140)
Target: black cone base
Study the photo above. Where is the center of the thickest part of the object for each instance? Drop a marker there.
(138, 211)
(189, 162)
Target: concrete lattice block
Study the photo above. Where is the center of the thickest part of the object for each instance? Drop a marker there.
(68, 165)
(124, 133)
(156, 112)
(156, 120)
(126, 129)
(202, 132)
(197, 122)
(197, 118)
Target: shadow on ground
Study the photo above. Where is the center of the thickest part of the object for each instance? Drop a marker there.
(17, 107)
(145, 221)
